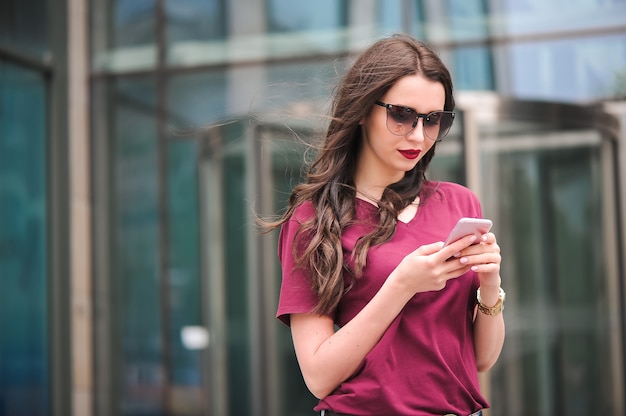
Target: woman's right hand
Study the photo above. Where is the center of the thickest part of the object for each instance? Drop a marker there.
(430, 266)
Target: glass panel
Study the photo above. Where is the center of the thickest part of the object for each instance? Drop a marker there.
(390, 15)
(298, 91)
(473, 68)
(132, 23)
(123, 35)
(197, 99)
(236, 213)
(547, 210)
(24, 27)
(569, 70)
(194, 20)
(287, 151)
(228, 301)
(394, 15)
(467, 19)
(419, 20)
(533, 17)
(185, 300)
(24, 361)
(288, 16)
(136, 332)
(319, 24)
(195, 32)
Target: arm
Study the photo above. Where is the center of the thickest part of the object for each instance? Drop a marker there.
(327, 358)
(488, 330)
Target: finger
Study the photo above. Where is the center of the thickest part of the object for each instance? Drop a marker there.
(489, 257)
(455, 249)
(489, 238)
(478, 249)
(428, 249)
(489, 268)
(456, 271)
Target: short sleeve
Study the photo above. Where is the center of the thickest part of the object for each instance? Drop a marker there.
(296, 293)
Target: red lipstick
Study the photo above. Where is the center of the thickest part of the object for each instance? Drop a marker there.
(410, 154)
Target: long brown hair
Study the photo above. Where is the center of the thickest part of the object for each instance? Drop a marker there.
(329, 183)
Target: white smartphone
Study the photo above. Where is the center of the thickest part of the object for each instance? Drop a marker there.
(467, 226)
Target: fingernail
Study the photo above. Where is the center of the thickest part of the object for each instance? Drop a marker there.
(472, 239)
(457, 255)
(474, 268)
(464, 260)
(484, 238)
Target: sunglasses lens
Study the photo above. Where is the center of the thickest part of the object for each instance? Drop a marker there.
(437, 124)
(400, 120)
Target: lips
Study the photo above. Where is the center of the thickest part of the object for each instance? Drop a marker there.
(410, 154)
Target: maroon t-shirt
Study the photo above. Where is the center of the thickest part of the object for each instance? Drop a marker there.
(424, 364)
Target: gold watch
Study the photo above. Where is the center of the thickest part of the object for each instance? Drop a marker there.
(491, 310)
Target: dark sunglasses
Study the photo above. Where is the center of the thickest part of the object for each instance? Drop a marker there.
(403, 120)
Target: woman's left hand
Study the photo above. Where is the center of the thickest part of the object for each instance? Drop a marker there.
(484, 259)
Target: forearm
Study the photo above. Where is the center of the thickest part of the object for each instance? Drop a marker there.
(338, 355)
(489, 331)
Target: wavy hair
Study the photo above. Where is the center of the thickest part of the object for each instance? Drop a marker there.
(329, 182)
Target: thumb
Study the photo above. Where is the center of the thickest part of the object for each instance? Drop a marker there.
(427, 249)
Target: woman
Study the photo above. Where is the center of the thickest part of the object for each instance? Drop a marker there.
(384, 317)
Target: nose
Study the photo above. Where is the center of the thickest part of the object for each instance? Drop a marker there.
(418, 130)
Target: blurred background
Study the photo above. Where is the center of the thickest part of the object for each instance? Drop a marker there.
(139, 139)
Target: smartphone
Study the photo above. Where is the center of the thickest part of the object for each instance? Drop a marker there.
(467, 226)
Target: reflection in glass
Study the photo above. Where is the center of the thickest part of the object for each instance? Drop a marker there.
(136, 336)
(132, 23)
(548, 204)
(223, 185)
(390, 15)
(194, 20)
(24, 364)
(123, 35)
(185, 288)
(293, 90)
(568, 70)
(289, 16)
(467, 19)
(24, 27)
(197, 99)
(286, 171)
(533, 17)
(473, 68)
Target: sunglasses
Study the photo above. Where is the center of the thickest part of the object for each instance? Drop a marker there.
(403, 120)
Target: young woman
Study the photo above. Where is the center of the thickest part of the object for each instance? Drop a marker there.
(385, 319)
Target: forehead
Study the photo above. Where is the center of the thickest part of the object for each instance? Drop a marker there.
(417, 92)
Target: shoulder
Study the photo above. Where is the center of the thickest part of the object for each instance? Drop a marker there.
(453, 194)
(448, 190)
(290, 229)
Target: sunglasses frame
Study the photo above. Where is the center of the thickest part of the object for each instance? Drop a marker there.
(439, 137)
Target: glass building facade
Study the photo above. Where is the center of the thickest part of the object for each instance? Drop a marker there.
(139, 138)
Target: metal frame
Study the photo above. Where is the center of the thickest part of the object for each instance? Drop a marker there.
(59, 253)
(213, 273)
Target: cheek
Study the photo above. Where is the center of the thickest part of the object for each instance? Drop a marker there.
(429, 145)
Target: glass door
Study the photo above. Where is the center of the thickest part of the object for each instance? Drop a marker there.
(549, 185)
(246, 169)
